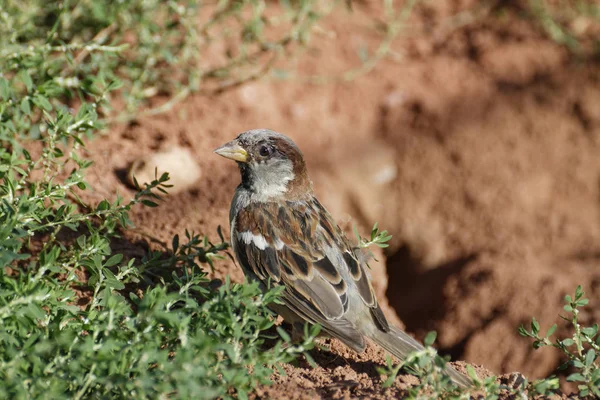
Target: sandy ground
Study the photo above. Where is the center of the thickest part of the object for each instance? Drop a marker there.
(476, 146)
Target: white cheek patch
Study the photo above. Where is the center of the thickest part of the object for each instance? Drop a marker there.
(259, 240)
(271, 178)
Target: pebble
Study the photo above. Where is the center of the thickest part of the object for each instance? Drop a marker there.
(177, 161)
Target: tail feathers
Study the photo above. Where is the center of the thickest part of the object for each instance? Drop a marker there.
(397, 342)
(400, 344)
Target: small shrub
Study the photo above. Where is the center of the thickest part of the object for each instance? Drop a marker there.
(582, 349)
(582, 352)
(79, 319)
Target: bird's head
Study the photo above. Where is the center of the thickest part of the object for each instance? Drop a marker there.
(271, 164)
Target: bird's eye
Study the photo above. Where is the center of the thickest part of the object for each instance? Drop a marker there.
(265, 150)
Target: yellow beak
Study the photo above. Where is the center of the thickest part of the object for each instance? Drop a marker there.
(233, 151)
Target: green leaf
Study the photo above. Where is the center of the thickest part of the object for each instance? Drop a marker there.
(535, 326)
(175, 243)
(114, 85)
(35, 311)
(471, 373)
(564, 366)
(522, 331)
(26, 79)
(590, 331)
(42, 102)
(582, 302)
(551, 330)
(568, 342)
(590, 357)
(149, 203)
(114, 260)
(430, 338)
(576, 377)
(374, 231)
(310, 360)
(4, 89)
(545, 386)
(284, 335)
(579, 292)
(103, 205)
(112, 281)
(537, 344)
(356, 234)
(25, 106)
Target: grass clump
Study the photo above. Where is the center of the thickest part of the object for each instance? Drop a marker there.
(78, 319)
(150, 46)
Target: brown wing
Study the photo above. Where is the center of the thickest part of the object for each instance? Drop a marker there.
(298, 246)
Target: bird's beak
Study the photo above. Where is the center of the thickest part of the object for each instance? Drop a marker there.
(233, 151)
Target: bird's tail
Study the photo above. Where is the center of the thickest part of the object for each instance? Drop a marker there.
(400, 344)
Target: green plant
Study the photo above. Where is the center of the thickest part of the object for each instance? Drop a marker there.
(150, 46)
(435, 383)
(172, 337)
(377, 238)
(429, 367)
(79, 319)
(582, 349)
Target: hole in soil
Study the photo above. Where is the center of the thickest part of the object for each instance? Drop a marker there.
(416, 292)
(121, 174)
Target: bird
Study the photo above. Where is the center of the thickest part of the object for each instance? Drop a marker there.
(281, 235)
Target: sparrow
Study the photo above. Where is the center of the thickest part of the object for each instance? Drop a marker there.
(282, 235)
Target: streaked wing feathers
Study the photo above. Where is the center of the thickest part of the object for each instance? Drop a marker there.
(299, 246)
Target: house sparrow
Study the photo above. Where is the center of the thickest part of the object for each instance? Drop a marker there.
(282, 236)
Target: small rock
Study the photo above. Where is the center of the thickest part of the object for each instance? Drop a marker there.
(177, 161)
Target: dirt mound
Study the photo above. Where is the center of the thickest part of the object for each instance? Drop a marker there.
(476, 147)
